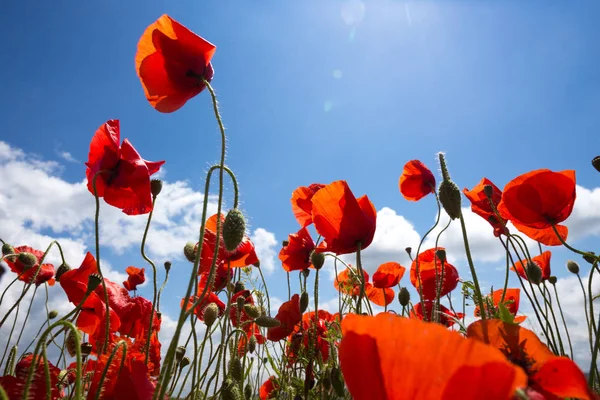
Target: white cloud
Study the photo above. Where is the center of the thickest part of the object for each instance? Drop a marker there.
(265, 245)
(585, 218)
(65, 155)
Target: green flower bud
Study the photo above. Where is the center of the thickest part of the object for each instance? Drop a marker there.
(8, 249)
(234, 229)
(27, 259)
(573, 267)
(61, 270)
(248, 392)
(317, 259)
(303, 302)
(252, 344)
(189, 251)
(251, 310)
(404, 297)
(241, 301)
(534, 273)
(450, 199)
(235, 369)
(239, 286)
(230, 391)
(211, 313)
(70, 342)
(52, 314)
(267, 322)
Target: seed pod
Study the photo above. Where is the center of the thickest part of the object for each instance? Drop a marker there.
(317, 259)
(234, 229)
(179, 353)
(573, 267)
(306, 273)
(441, 255)
(552, 280)
(94, 280)
(404, 297)
(189, 251)
(86, 349)
(155, 187)
(167, 266)
(408, 250)
(267, 322)
(303, 302)
(61, 270)
(590, 257)
(185, 361)
(52, 314)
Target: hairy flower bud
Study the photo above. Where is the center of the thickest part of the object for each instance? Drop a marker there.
(235, 369)
(52, 314)
(27, 259)
(317, 259)
(590, 257)
(552, 280)
(450, 199)
(61, 270)
(240, 301)
(239, 286)
(155, 187)
(70, 342)
(8, 249)
(251, 310)
(252, 344)
(185, 361)
(93, 281)
(211, 312)
(230, 391)
(179, 353)
(596, 163)
(234, 229)
(573, 267)
(303, 302)
(248, 392)
(189, 251)
(404, 297)
(534, 273)
(267, 322)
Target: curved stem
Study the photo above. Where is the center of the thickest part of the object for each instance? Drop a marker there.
(562, 315)
(154, 294)
(472, 267)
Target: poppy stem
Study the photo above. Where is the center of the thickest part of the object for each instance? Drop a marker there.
(505, 277)
(472, 267)
(162, 288)
(548, 303)
(583, 253)
(562, 315)
(154, 277)
(361, 277)
(587, 318)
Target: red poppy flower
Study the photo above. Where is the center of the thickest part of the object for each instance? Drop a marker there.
(313, 335)
(269, 388)
(480, 204)
(45, 273)
(539, 199)
(222, 276)
(388, 275)
(295, 256)
(545, 236)
(233, 311)
(209, 297)
(342, 219)
(348, 281)
(386, 357)
(430, 270)
(135, 277)
(511, 302)
(171, 61)
(125, 182)
(416, 181)
(548, 374)
(302, 203)
(250, 329)
(288, 315)
(14, 385)
(380, 296)
(444, 313)
(542, 261)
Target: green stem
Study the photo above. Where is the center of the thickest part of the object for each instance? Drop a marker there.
(361, 277)
(154, 278)
(562, 315)
(472, 267)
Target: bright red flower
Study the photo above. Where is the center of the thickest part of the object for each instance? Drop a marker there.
(511, 302)
(386, 357)
(14, 385)
(135, 277)
(380, 296)
(416, 181)
(171, 61)
(302, 203)
(46, 271)
(313, 335)
(548, 374)
(209, 297)
(539, 199)
(444, 313)
(388, 275)
(295, 256)
(125, 180)
(545, 236)
(269, 389)
(288, 315)
(342, 219)
(430, 270)
(542, 261)
(480, 204)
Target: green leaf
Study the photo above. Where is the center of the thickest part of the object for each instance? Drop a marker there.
(505, 315)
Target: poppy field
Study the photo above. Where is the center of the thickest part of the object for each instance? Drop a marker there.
(383, 342)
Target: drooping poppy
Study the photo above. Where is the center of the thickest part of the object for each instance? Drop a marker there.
(445, 315)
(387, 357)
(511, 302)
(416, 181)
(548, 374)
(14, 385)
(481, 206)
(302, 203)
(288, 315)
(123, 178)
(295, 255)
(430, 270)
(268, 389)
(542, 261)
(171, 61)
(45, 272)
(342, 219)
(135, 277)
(388, 275)
(539, 199)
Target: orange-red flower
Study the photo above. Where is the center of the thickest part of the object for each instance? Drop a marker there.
(539, 199)
(349, 283)
(124, 181)
(14, 385)
(444, 313)
(302, 203)
(233, 311)
(171, 61)
(288, 315)
(416, 181)
(342, 219)
(430, 270)
(269, 388)
(45, 273)
(542, 261)
(548, 374)
(295, 255)
(387, 357)
(135, 276)
(481, 206)
(388, 275)
(209, 297)
(511, 301)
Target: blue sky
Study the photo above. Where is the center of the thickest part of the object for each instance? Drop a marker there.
(316, 91)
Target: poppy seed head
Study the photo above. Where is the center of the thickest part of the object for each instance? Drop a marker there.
(185, 361)
(404, 297)
(179, 353)
(239, 286)
(155, 187)
(596, 163)
(93, 281)
(552, 279)
(86, 349)
(488, 190)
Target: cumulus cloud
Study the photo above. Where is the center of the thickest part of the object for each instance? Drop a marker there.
(265, 245)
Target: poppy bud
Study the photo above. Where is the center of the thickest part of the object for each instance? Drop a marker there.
(449, 195)
(303, 302)
(306, 273)
(234, 229)
(573, 267)
(403, 297)
(240, 301)
(230, 391)
(179, 353)
(408, 250)
(337, 382)
(70, 342)
(252, 344)
(86, 349)
(488, 190)
(61, 270)
(257, 264)
(590, 257)
(185, 361)
(189, 250)
(317, 259)
(52, 314)
(211, 312)
(552, 280)
(155, 187)
(441, 255)
(230, 287)
(248, 392)
(267, 322)
(285, 243)
(27, 259)
(239, 286)
(251, 310)
(235, 369)
(93, 281)
(8, 249)
(534, 273)
(167, 266)
(596, 163)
